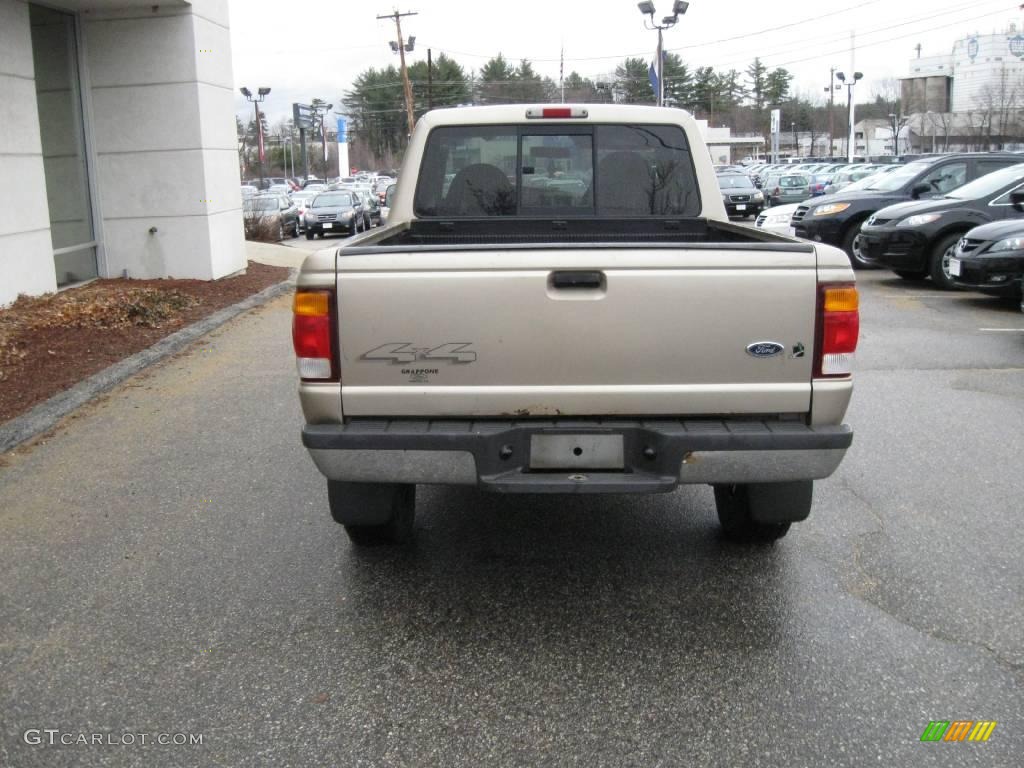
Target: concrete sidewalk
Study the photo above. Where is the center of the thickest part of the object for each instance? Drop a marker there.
(274, 255)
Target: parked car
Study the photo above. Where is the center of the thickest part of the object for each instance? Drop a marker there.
(310, 181)
(990, 258)
(334, 212)
(918, 239)
(836, 219)
(385, 209)
(248, 190)
(739, 194)
(776, 219)
(786, 187)
(848, 175)
(276, 210)
(371, 207)
(280, 189)
(302, 201)
(818, 183)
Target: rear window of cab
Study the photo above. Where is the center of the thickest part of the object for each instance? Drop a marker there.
(557, 170)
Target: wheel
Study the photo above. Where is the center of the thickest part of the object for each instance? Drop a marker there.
(852, 247)
(280, 231)
(911, 274)
(373, 513)
(938, 262)
(762, 512)
(309, 235)
(295, 228)
(353, 229)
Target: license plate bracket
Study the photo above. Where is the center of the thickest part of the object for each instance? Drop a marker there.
(594, 451)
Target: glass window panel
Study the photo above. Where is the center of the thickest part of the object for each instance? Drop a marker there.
(55, 56)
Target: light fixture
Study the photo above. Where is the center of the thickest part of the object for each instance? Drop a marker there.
(679, 7)
(646, 7)
(245, 92)
(264, 91)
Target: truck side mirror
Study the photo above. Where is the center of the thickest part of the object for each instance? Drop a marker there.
(1017, 200)
(919, 189)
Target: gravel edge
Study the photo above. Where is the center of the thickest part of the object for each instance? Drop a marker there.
(45, 415)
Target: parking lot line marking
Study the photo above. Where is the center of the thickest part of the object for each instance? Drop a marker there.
(1002, 330)
(934, 295)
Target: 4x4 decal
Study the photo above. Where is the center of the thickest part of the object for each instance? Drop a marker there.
(401, 352)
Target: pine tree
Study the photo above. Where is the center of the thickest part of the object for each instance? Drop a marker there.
(631, 83)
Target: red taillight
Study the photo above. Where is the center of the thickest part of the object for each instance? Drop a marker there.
(838, 329)
(313, 335)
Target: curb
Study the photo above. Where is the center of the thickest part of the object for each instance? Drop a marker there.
(45, 415)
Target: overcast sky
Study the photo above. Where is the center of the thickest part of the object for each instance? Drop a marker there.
(317, 47)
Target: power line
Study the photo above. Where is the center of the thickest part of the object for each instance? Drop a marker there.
(695, 45)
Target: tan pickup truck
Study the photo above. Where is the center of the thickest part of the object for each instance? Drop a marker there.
(559, 304)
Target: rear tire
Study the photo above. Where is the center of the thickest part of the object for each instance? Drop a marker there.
(309, 235)
(761, 512)
(373, 514)
(852, 248)
(938, 262)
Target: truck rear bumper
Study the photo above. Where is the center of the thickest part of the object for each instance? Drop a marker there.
(657, 454)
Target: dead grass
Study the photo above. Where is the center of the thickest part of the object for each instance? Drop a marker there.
(102, 306)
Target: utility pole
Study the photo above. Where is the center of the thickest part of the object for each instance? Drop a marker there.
(397, 16)
(430, 80)
(831, 111)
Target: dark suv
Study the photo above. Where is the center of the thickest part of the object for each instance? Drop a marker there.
(836, 219)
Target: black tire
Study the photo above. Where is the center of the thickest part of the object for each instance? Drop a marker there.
(353, 228)
(911, 274)
(737, 511)
(295, 228)
(938, 261)
(849, 245)
(373, 514)
(309, 235)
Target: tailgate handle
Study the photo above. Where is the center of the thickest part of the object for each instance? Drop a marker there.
(576, 279)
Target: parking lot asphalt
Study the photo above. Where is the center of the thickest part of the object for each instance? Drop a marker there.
(168, 565)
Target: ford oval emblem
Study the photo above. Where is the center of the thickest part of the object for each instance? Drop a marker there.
(764, 349)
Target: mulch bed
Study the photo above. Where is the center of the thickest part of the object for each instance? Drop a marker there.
(50, 343)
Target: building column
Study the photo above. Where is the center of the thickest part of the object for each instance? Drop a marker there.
(161, 90)
(26, 253)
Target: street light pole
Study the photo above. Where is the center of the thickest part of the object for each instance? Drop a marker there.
(831, 110)
(895, 135)
(850, 138)
(796, 146)
(647, 9)
(255, 101)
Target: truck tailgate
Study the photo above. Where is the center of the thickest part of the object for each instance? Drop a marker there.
(576, 330)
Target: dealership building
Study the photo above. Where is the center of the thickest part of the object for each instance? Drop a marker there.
(118, 148)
